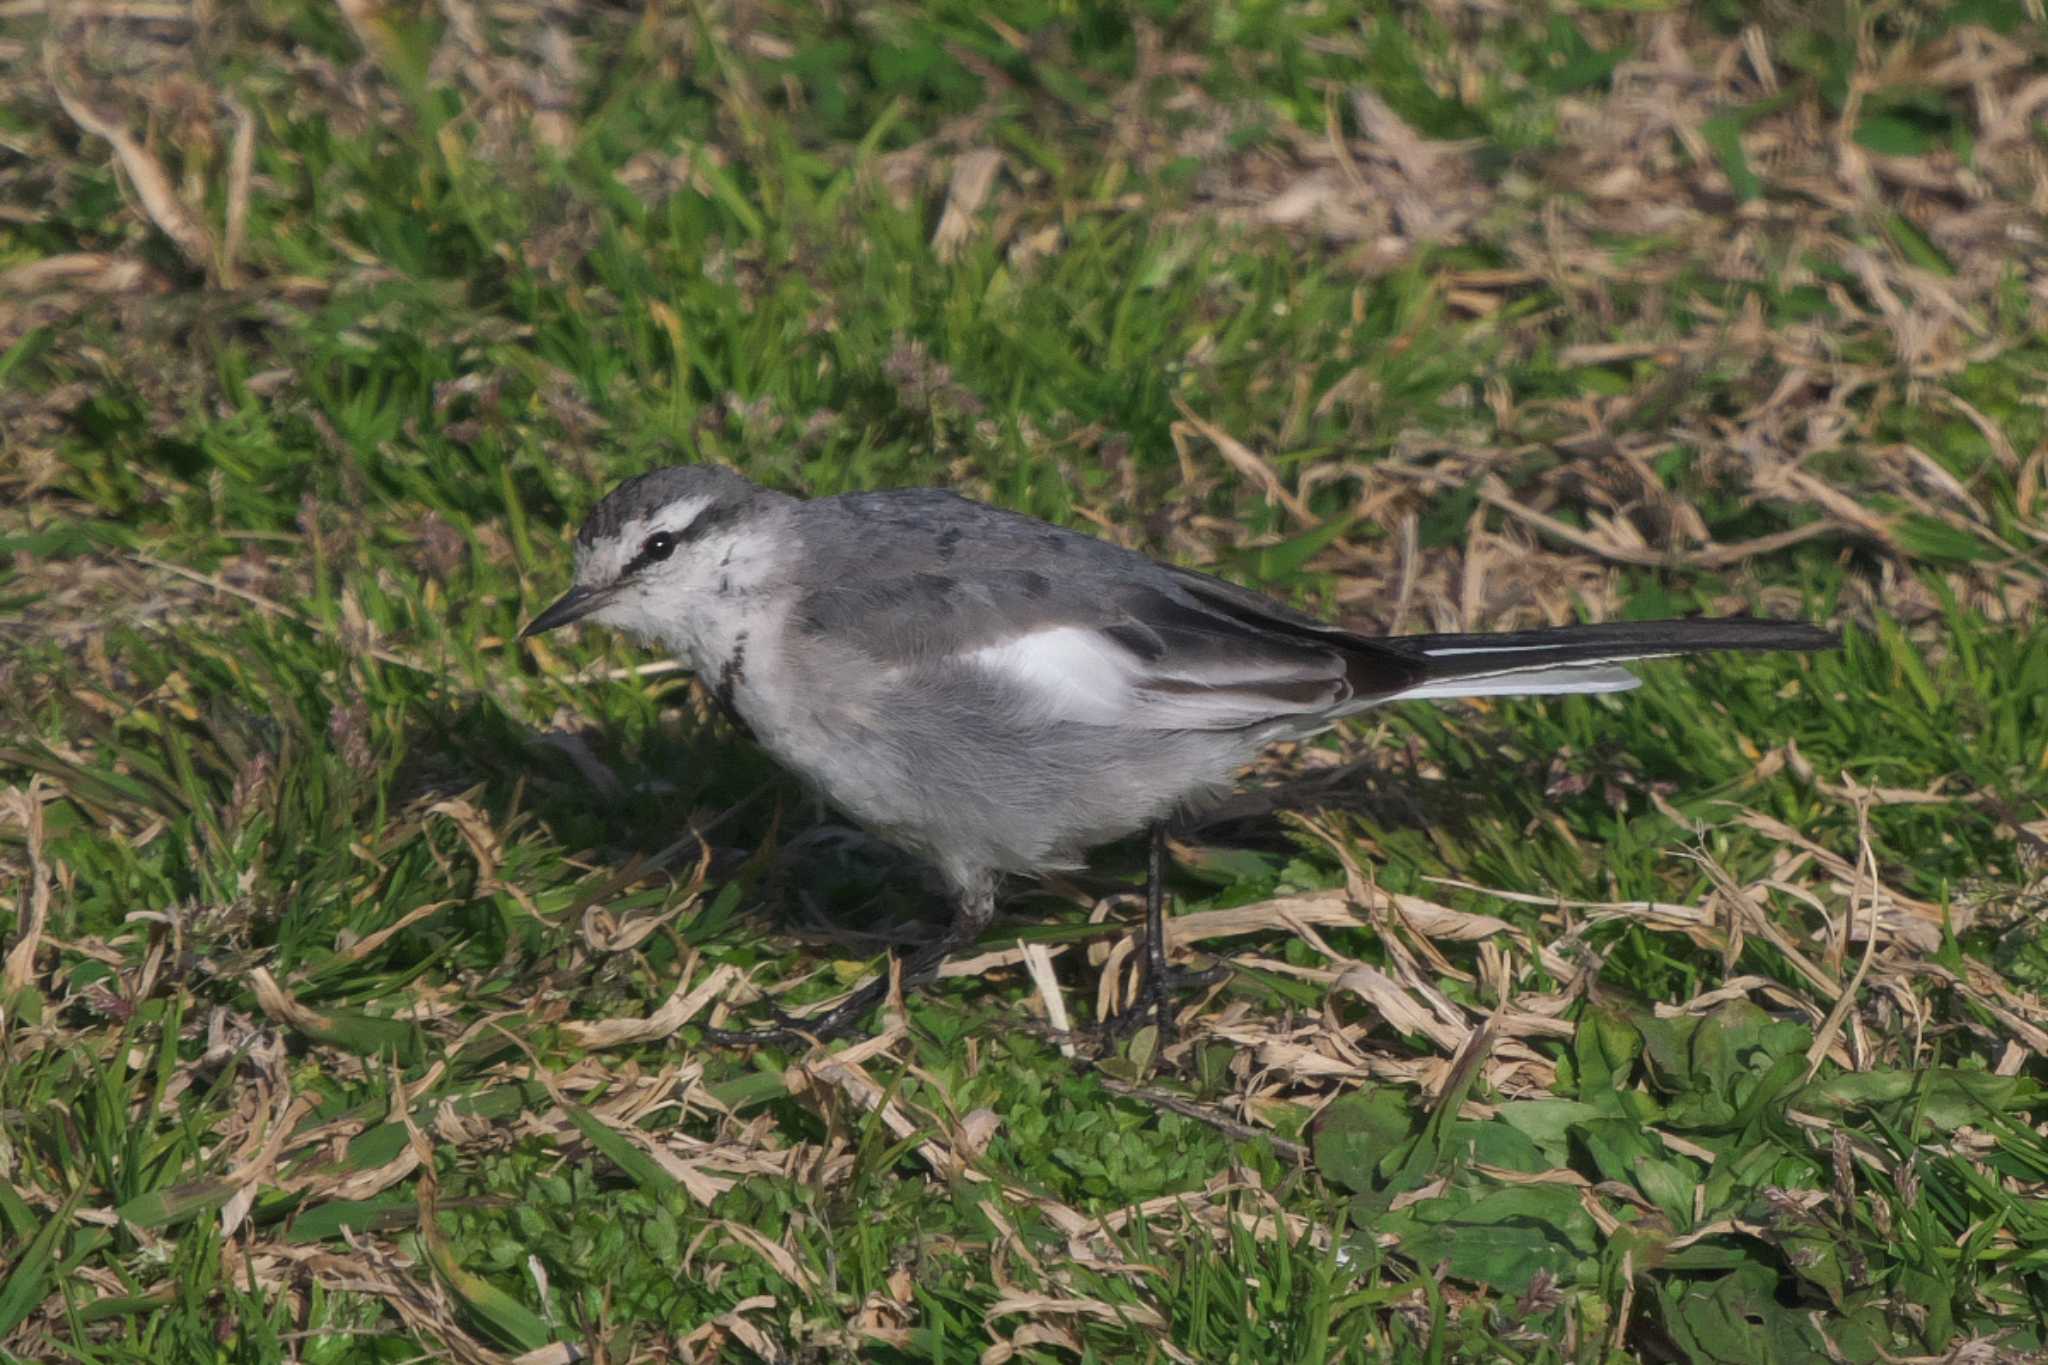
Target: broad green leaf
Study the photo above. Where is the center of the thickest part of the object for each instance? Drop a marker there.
(1356, 1135)
(1669, 1184)
(1504, 1238)
(1736, 1319)
(1494, 1143)
(1764, 1099)
(1816, 1257)
(1722, 1042)
(1944, 1097)
(1615, 1146)
(1605, 1047)
(1667, 1048)
(1547, 1122)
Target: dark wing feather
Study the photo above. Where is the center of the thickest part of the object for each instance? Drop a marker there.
(1102, 635)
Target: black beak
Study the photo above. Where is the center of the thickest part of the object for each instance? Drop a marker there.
(574, 605)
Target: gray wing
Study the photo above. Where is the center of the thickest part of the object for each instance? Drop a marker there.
(1084, 631)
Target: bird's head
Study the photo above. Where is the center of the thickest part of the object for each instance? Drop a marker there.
(658, 543)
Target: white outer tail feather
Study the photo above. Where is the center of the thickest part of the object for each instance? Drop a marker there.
(1525, 682)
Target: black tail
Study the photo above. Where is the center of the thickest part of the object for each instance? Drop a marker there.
(1584, 658)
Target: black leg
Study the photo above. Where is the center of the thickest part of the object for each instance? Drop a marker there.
(1156, 980)
(1161, 981)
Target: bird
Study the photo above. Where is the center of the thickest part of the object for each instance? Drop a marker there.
(997, 695)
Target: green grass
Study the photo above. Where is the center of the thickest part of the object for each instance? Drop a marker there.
(338, 878)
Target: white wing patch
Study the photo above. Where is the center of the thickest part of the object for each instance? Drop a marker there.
(1074, 673)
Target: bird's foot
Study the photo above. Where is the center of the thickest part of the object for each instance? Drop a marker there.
(844, 1020)
(787, 1030)
(1156, 996)
(847, 1019)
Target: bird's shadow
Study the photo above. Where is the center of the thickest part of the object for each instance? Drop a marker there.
(643, 803)
(652, 800)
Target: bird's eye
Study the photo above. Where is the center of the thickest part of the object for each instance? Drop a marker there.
(658, 546)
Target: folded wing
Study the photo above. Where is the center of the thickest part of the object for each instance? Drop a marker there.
(1142, 650)
(1147, 646)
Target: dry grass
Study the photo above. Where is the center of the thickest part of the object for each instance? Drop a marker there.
(1708, 318)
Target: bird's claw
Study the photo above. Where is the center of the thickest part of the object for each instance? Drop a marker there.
(1156, 995)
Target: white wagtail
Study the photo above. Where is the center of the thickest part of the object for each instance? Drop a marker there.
(997, 694)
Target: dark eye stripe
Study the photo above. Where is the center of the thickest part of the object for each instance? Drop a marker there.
(643, 559)
(707, 520)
